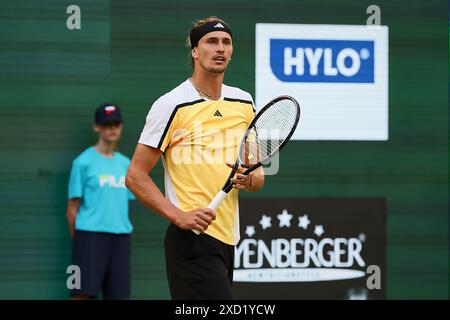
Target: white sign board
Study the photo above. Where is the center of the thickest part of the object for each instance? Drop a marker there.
(338, 73)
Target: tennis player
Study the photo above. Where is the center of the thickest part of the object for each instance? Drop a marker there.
(192, 126)
(97, 212)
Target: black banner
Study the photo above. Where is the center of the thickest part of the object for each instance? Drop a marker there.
(311, 248)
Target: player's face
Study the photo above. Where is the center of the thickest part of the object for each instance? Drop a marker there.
(214, 51)
(110, 132)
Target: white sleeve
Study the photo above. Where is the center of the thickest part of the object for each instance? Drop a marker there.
(159, 124)
(250, 98)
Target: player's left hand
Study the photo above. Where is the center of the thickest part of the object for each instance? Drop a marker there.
(240, 180)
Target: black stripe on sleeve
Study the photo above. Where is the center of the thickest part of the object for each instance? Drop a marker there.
(173, 116)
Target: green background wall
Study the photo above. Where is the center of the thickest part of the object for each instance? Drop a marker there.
(131, 52)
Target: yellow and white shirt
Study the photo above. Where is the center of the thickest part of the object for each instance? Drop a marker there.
(197, 137)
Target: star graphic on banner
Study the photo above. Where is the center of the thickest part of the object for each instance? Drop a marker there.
(250, 231)
(318, 230)
(303, 222)
(285, 219)
(265, 222)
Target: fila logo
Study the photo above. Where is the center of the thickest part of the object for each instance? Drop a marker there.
(111, 181)
(217, 113)
(110, 109)
(219, 25)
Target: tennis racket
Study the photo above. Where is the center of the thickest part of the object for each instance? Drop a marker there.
(267, 134)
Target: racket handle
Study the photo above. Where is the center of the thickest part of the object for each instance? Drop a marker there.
(214, 204)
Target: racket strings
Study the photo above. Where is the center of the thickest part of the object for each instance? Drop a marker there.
(269, 132)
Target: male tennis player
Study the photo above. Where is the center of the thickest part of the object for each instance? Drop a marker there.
(97, 212)
(196, 127)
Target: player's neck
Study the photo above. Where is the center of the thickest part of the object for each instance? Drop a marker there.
(208, 83)
(105, 148)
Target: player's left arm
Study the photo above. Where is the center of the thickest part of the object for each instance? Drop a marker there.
(251, 183)
(254, 181)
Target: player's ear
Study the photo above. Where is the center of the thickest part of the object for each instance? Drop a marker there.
(194, 53)
(96, 128)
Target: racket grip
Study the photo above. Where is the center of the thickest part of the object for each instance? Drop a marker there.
(214, 204)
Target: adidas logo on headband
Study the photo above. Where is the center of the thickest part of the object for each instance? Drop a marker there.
(211, 26)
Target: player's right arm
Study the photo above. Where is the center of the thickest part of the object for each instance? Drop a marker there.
(139, 181)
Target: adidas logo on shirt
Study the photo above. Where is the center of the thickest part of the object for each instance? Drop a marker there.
(219, 25)
(217, 113)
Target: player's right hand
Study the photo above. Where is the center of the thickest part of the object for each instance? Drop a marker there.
(198, 219)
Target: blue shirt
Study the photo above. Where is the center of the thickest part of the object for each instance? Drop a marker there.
(100, 183)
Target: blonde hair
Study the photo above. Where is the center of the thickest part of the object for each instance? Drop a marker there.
(197, 24)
